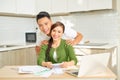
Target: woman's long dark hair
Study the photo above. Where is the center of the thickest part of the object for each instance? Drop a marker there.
(51, 39)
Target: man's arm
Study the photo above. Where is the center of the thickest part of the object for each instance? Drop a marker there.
(37, 48)
(76, 40)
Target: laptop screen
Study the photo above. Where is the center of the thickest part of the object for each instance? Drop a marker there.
(92, 64)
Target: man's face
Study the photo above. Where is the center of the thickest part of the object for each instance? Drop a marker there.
(44, 25)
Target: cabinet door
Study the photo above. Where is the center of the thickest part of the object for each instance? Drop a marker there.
(77, 5)
(43, 5)
(5, 58)
(25, 56)
(7, 6)
(26, 7)
(99, 4)
(31, 57)
(2, 58)
(59, 6)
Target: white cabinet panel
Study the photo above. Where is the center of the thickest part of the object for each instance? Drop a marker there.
(43, 5)
(7, 6)
(59, 6)
(77, 5)
(86, 5)
(52, 6)
(26, 6)
(99, 4)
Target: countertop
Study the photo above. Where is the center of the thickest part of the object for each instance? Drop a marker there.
(27, 45)
(106, 46)
(17, 46)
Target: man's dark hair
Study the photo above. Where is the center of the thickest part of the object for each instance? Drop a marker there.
(42, 14)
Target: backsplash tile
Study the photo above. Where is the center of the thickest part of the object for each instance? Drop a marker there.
(97, 26)
(12, 29)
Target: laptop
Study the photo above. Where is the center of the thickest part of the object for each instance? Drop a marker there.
(91, 64)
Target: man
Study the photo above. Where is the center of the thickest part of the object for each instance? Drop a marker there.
(44, 22)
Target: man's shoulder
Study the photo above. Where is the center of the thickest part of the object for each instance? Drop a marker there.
(41, 36)
(41, 33)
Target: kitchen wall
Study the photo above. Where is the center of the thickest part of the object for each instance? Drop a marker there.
(12, 29)
(118, 56)
(96, 26)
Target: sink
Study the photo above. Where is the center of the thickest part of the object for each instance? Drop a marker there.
(7, 46)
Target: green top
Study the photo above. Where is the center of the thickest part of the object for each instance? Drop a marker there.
(64, 52)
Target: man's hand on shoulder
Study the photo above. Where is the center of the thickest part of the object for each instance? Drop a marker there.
(44, 42)
(70, 42)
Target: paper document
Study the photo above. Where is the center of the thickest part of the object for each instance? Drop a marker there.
(57, 68)
(56, 65)
(32, 69)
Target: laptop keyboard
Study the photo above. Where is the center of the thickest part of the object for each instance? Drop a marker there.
(76, 73)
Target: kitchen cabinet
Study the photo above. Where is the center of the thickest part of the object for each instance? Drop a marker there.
(32, 7)
(99, 4)
(8, 6)
(52, 6)
(43, 5)
(25, 7)
(78, 5)
(18, 7)
(59, 6)
(23, 56)
(87, 5)
(65, 6)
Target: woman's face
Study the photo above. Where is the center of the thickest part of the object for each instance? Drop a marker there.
(57, 32)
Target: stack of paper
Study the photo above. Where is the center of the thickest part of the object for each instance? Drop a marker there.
(32, 69)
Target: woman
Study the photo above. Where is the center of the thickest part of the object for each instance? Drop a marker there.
(57, 50)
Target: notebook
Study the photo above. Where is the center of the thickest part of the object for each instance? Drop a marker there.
(91, 64)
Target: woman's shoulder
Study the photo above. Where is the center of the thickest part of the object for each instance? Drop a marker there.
(65, 43)
(44, 46)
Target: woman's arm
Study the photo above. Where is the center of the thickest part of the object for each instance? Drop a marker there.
(41, 57)
(47, 64)
(71, 55)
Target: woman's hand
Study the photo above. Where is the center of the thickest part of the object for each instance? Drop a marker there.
(64, 64)
(67, 64)
(47, 64)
